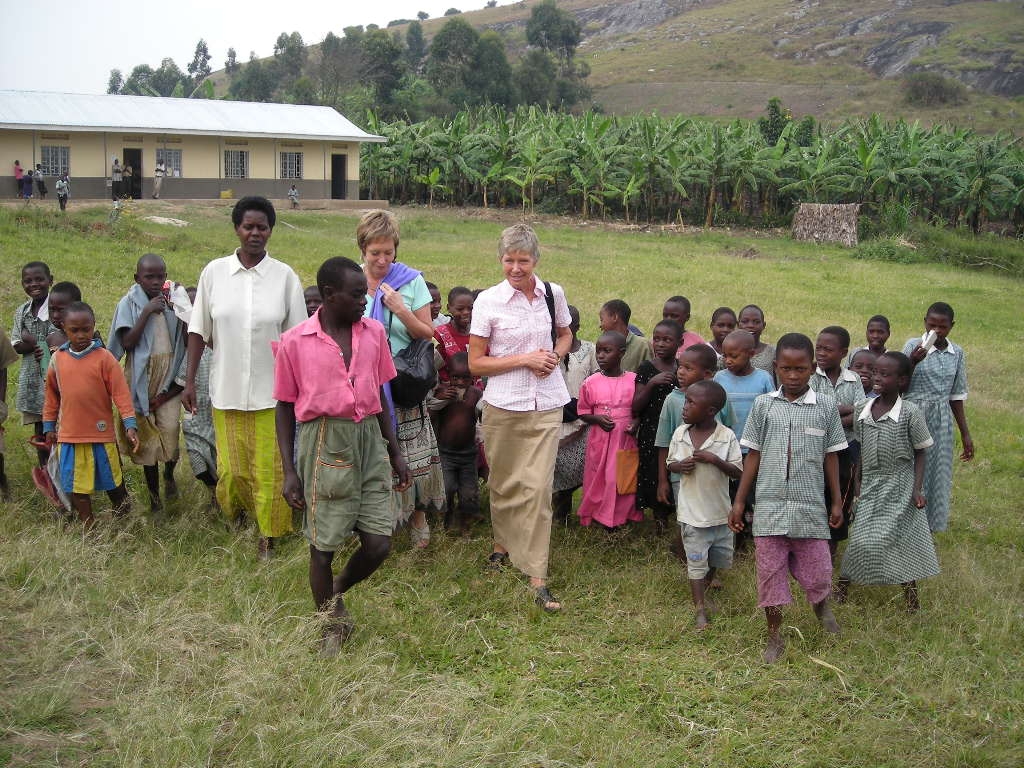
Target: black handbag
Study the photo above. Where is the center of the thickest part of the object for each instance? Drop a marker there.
(416, 374)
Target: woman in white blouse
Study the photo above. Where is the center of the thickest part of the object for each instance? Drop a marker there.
(244, 302)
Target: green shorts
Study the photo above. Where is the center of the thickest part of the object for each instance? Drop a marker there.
(346, 480)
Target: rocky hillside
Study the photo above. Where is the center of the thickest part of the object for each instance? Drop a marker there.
(831, 58)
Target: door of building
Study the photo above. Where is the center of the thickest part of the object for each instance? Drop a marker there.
(338, 177)
(132, 157)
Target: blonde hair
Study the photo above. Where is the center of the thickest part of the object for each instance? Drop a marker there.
(519, 238)
(376, 225)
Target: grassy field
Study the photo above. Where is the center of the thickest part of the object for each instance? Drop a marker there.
(164, 643)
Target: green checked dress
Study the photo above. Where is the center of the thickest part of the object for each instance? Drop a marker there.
(890, 542)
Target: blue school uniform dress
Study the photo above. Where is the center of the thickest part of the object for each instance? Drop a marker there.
(938, 379)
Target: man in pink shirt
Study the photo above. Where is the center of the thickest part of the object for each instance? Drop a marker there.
(328, 377)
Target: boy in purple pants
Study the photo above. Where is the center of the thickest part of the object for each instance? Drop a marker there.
(792, 436)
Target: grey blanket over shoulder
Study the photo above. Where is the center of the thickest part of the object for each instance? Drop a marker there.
(128, 311)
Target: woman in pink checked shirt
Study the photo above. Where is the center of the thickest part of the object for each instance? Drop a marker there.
(519, 334)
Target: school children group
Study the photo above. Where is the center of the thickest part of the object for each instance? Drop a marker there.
(798, 444)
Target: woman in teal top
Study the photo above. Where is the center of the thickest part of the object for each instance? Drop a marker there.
(397, 296)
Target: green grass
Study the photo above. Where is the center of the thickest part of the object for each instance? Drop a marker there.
(165, 644)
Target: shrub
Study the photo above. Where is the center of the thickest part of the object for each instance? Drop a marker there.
(930, 89)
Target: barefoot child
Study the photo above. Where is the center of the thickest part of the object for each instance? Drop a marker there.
(313, 300)
(453, 336)
(579, 363)
(655, 379)
(614, 316)
(939, 387)
(62, 295)
(678, 308)
(329, 373)
(697, 363)
(605, 402)
(200, 439)
(862, 362)
(456, 441)
(792, 436)
(8, 357)
(436, 318)
(723, 322)
(706, 455)
(890, 542)
(831, 378)
(743, 383)
(751, 319)
(877, 334)
(31, 327)
(151, 338)
(82, 380)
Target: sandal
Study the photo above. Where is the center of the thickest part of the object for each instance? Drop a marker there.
(497, 561)
(546, 600)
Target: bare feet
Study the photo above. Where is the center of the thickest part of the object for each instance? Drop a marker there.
(5, 490)
(774, 649)
(338, 630)
(264, 548)
(841, 592)
(170, 487)
(910, 592)
(824, 614)
(701, 621)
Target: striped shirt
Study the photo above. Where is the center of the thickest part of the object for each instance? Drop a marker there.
(515, 324)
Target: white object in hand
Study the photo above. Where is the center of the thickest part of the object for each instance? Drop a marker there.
(928, 340)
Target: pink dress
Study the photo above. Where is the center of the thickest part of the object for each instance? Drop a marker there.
(602, 395)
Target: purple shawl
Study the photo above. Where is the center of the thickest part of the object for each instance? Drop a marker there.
(398, 275)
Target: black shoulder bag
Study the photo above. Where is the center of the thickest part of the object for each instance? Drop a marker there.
(569, 409)
(416, 374)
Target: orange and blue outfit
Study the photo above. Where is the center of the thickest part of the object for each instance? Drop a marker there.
(80, 387)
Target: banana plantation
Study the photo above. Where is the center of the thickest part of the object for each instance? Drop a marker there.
(646, 168)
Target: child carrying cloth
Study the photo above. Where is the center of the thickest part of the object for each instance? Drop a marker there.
(150, 336)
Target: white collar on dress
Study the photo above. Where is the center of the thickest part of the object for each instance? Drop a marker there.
(893, 413)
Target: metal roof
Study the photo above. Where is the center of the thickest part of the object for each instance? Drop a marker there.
(39, 110)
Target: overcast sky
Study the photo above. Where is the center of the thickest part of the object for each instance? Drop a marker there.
(71, 45)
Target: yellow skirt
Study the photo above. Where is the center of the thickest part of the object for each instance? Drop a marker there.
(249, 469)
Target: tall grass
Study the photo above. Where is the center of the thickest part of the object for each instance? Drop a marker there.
(163, 643)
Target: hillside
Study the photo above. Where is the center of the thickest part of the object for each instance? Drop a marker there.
(829, 58)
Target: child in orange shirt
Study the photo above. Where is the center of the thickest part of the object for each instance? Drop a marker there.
(82, 380)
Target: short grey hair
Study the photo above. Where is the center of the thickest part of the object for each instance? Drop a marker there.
(519, 238)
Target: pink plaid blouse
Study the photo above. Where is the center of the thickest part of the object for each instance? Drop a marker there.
(515, 324)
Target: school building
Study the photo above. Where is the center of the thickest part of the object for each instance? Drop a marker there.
(209, 146)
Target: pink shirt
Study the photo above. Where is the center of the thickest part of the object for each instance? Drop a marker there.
(309, 370)
(515, 324)
(690, 339)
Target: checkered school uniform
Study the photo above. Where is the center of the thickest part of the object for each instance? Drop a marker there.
(793, 438)
(890, 542)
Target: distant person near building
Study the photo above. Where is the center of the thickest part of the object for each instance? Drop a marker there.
(115, 179)
(40, 182)
(158, 178)
(63, 190)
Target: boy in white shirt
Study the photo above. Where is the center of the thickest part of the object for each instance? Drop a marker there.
(705, 454)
